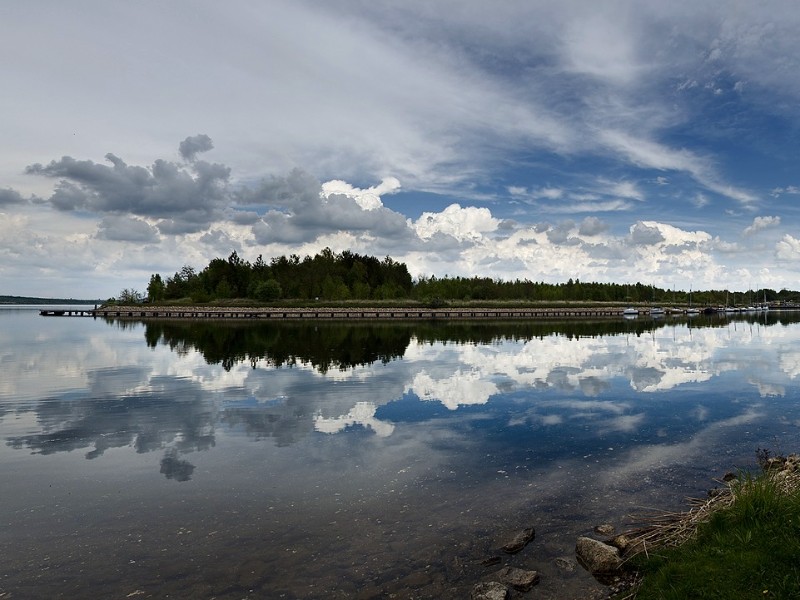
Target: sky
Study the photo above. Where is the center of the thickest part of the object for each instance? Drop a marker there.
(618, 141)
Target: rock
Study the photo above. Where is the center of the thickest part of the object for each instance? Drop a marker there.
(620, 541)
(604, 529)
(520, 579)
(565, 564)
(490, 590)
(597, 557)
(792, 462)
(491, 561)
(774, 463)
(626, 545)
(519, 541)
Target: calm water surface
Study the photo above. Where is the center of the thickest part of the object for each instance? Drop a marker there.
(172, 459)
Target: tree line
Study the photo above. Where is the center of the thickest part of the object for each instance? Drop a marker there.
(328, 276)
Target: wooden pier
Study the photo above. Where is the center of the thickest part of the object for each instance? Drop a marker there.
(447, 314)
(68, 312)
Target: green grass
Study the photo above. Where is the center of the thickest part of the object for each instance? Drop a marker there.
(750, 549)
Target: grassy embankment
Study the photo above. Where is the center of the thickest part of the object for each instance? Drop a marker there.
(742, 544)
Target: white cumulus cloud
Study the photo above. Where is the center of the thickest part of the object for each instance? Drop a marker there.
(468, 223)
(760, 223)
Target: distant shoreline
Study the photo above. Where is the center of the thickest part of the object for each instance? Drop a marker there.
(24, 300)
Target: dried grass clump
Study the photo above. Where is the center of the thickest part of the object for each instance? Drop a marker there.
(671, 529)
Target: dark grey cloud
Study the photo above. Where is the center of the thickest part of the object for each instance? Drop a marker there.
(9, 196)
(560, 234)
(220, 242)
(126, 229)
(592, 226)
(644, 235)
(507, 225)
(244, 217)
(186, 198)
(194, 145)
(182, 198)
(296, 212)
(541, 227)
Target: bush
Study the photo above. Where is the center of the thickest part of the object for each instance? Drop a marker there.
(267, 291)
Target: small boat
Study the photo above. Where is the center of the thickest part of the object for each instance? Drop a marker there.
(630, 311)
(656, 311)
(692, 310)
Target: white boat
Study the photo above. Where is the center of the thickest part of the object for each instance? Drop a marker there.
(691, 311)
(630, 311)
(656, 311)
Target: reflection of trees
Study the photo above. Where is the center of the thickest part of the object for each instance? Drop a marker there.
(486, 332)
(323, 345)
(343, 345)
(179, 418)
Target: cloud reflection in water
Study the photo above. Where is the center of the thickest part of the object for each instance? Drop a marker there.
(177, 402)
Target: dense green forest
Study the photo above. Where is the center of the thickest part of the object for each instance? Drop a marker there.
(332, 277)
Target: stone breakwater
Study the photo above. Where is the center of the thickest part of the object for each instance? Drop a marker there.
(388, 313)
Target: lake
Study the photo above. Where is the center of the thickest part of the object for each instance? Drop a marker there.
(196, 459)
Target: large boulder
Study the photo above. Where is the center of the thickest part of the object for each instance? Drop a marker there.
(597, 557)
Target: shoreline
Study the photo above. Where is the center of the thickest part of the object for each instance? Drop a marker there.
(350, 313)
(590, 311)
